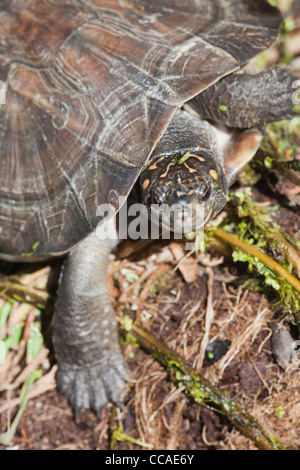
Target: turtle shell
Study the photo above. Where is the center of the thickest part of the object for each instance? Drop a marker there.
(90, 87)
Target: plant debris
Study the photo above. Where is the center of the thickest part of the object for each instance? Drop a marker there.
(239, 298)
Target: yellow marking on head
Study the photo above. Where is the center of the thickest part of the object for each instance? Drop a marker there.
(146, 184)
(179, 181)
(191, 170)
(167, 170)
(214, 174)
(202, 159)
(189, 154)
(153, 166)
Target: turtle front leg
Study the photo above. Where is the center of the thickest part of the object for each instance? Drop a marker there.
(91, 369)
(244, 101)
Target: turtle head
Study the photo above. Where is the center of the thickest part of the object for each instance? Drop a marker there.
(186, 188)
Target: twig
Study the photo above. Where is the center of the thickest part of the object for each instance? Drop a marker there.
(260, 255)
(7, 436)
(43, 354)
(278, 166)
(22, 293)
(202, 391)
(291, 254)
(209, 316)
(42, 385)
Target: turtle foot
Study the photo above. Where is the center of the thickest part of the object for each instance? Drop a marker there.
(94, 386)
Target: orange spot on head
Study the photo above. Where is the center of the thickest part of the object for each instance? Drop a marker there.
(191, 170)
(167, 170)
(154, 165)
(189, 154)
(146, 184)
(213, 174)
(202, 159)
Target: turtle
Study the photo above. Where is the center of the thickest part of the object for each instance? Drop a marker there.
(101, 97)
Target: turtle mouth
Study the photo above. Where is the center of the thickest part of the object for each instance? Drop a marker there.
(182, 207)
(180, 218)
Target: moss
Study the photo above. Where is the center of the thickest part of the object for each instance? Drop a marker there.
(254, 225)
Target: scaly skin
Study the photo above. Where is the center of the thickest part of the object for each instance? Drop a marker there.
(244, 101)
(91, 369)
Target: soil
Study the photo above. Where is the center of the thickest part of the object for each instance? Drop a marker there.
(175, 310)
(179, 301)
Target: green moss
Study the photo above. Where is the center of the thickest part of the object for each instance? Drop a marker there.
(126, 323)
(119, 436)
(279, 411)
(35, 245)
(254, 225)
(129, 275)
(288, 24)
(183, 159)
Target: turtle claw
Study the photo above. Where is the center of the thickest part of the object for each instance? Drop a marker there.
(119, 405)
(92, 387)
(98, 413)
(76, 414)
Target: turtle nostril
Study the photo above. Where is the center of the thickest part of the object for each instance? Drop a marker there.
(155, 200)
(198, 196)
(157, 197)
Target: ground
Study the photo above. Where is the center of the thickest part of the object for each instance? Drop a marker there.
(187, 302)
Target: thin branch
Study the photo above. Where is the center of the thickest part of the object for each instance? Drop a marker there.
(16, 291)
(202, 391)
(260, 255)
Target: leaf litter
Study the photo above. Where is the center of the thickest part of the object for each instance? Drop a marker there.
(188, 301)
